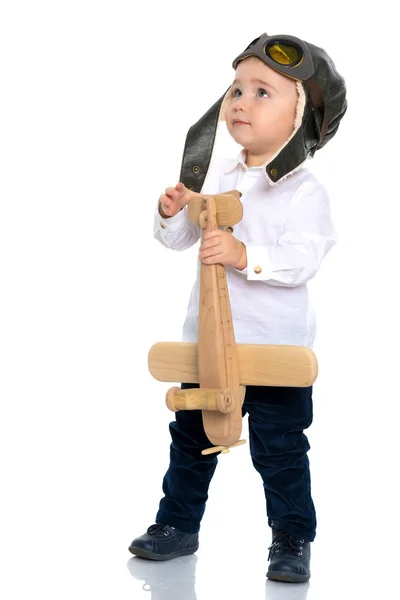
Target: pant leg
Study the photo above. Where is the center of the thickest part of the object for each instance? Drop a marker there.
(186, 482)
(278, 447)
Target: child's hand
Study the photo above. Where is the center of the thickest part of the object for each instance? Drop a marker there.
(174, 199)
(221, 247)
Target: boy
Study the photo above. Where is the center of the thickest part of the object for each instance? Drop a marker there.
(285, 103)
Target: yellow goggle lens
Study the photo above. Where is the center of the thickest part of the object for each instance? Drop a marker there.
(283, 54)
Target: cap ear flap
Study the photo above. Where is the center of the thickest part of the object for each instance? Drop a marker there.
(334, 123)
(310, 134)
(199, 146)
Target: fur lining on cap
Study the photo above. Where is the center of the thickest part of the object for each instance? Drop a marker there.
(223, 105)
(301, 103)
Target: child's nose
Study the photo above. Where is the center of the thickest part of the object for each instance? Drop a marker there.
(240, 103)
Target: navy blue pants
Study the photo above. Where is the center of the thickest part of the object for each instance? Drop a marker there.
(278, 447)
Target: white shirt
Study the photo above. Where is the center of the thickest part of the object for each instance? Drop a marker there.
(287, 230)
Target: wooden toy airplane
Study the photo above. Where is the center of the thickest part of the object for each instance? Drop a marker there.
(222, 367)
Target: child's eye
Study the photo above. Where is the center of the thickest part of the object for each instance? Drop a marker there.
(261, 92)
(236, 92)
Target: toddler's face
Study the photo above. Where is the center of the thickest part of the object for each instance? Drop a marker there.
(261, 110)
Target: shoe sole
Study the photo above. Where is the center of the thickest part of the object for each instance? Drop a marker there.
(151, 556)
(287, 577)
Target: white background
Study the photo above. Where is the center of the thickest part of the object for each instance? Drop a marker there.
(96, 99)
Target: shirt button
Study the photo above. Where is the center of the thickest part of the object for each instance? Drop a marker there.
(229, 229)
(257, 270)
(162, 224)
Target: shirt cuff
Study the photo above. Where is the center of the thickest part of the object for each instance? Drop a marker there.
(171, 223)
(258, 263)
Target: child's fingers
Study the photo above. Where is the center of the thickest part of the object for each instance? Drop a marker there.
(169, 197)
(173, 194)
(210, 243)
(165, 203)
(216, 233)
(210, 261)
(185, 194)
(209, 253)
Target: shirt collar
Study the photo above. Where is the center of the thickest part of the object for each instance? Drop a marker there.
(241, 160)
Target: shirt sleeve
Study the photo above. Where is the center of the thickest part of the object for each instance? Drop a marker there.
(178, 232)
(307, 236)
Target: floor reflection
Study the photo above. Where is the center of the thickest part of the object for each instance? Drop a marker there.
(169, 580)
(175, 580)
(275, 590)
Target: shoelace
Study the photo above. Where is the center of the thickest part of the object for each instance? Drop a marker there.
(286, 543)
(154, 529)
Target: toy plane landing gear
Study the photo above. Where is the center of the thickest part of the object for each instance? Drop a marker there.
(222, 367)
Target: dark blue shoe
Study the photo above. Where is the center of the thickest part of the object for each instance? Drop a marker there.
(289, 558)
(162, 542)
